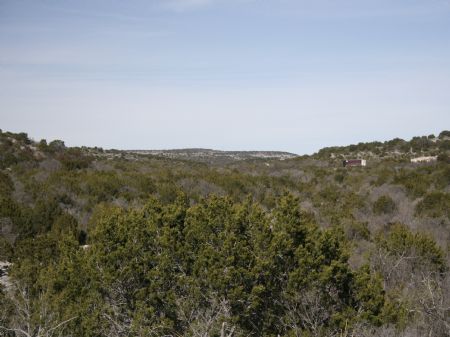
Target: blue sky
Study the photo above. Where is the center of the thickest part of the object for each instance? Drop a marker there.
(291, 75)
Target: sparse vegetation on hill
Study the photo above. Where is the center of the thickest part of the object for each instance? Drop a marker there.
(396, 148)
(145, 243)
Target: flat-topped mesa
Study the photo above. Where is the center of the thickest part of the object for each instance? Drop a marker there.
(216, 154)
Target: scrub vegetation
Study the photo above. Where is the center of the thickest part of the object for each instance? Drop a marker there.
(115, 243)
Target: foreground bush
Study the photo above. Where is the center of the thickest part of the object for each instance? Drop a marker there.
(219, 267)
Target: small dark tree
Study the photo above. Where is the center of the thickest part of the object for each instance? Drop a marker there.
(384, 205)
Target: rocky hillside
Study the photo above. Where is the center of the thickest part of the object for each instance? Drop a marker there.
(396, 148)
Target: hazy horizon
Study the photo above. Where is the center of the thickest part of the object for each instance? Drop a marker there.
(287, 75)
(37, 139)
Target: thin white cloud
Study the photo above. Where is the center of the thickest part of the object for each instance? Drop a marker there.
(183, 5)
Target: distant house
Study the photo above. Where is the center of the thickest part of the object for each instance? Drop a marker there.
(354, 162)
(424, 159)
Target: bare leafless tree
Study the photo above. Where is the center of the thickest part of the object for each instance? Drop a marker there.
(33, 317)
(207, 320)
(433, 302)
(305, 311)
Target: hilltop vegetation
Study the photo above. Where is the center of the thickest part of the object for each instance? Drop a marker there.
(395, 148)
(144, 243)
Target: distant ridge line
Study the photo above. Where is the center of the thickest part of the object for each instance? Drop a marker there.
(199, 153)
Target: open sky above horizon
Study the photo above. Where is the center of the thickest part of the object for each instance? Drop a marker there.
(289, 75)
